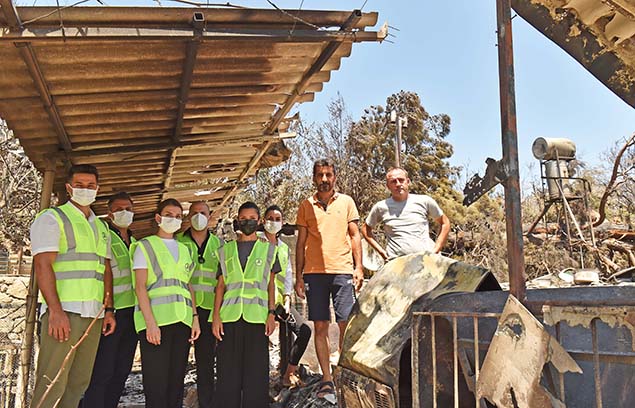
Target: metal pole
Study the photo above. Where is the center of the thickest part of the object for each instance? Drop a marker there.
(31, 300)
(398, 144)
(515, 257)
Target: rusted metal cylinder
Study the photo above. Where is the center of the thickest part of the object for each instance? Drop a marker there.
(557, 172)
(550, 148)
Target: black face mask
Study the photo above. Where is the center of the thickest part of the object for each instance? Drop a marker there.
(247, 227)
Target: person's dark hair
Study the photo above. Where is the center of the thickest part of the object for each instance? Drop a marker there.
(166, 203)
(82, 168)
(324, 163)
(200, 202)
(249, 204)
(273, 207)
(122, 195)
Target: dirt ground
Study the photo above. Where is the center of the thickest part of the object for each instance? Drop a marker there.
(133, 394)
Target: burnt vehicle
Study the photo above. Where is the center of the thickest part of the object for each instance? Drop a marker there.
(375, 367)
(411, 339)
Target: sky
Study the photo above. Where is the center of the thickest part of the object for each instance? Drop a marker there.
(446, 52)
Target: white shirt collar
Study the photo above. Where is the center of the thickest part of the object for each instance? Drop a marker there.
(91, 215)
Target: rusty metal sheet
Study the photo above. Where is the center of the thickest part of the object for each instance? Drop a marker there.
(512, 371)
(612, 316)
(599, 34)
(380, 326)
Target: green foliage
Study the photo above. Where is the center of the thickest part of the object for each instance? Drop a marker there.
(425, 152)
(363, 151)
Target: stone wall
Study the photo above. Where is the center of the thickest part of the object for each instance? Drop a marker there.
(13, 291)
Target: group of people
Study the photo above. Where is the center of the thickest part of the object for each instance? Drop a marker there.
(171, 290)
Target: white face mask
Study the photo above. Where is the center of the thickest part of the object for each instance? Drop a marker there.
(273, 227)
(199, 222)
(122, 218)
(84, 196)
(170, 224)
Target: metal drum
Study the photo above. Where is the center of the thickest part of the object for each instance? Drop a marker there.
(554, 177)
(547, 148)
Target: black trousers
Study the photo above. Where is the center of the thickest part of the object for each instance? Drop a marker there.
(163, 366)
(298, 326)
(112, 364)
(204, 352)
(243, 367)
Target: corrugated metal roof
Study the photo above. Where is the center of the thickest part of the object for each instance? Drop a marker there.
(599, 34)
(166, 102)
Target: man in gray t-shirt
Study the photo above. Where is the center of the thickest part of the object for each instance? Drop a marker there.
(405, 220)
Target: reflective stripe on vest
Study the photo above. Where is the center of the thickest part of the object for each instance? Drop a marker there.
(124, 295)
(282, 253)
(81, 259)
(246, 291)
(204, 277)
(168, 291)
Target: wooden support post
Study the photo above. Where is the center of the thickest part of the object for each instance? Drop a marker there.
(26, 351)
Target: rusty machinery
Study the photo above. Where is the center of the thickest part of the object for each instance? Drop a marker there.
(562, 190)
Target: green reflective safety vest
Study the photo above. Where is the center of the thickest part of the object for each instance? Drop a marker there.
(282, 252)
(123, 292)
(204, 276)
(167, 281)
(81, 259)
(246, 291)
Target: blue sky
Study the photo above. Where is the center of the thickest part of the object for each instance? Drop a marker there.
(445, 51)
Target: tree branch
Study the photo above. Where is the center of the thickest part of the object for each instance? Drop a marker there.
(609, 187)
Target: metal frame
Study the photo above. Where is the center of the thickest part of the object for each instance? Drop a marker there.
(563, 202)
(478, 343)
(513, 216)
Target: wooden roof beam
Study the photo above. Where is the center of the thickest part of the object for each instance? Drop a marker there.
(245, 173)
(322, 59)
(181, 17)
(30, 59)
(118, 34)
(28, 55)
(11, 15)
(186, 81)
(279, 116)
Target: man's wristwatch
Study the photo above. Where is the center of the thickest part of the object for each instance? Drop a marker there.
(272, 312)
(110, 309)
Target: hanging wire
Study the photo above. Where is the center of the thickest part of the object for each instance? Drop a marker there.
(296, 17)
(208, 4)
(59, 12)
(53, 12)
(292, 16)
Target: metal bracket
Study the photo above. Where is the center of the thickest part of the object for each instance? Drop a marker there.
(477, 186)
(198, 23)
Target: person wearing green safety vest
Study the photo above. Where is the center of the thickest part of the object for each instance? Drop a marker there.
(116, 352)
(71, 249)
(285, 313)
(243, 315)
(204, 246)
(165, 312)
